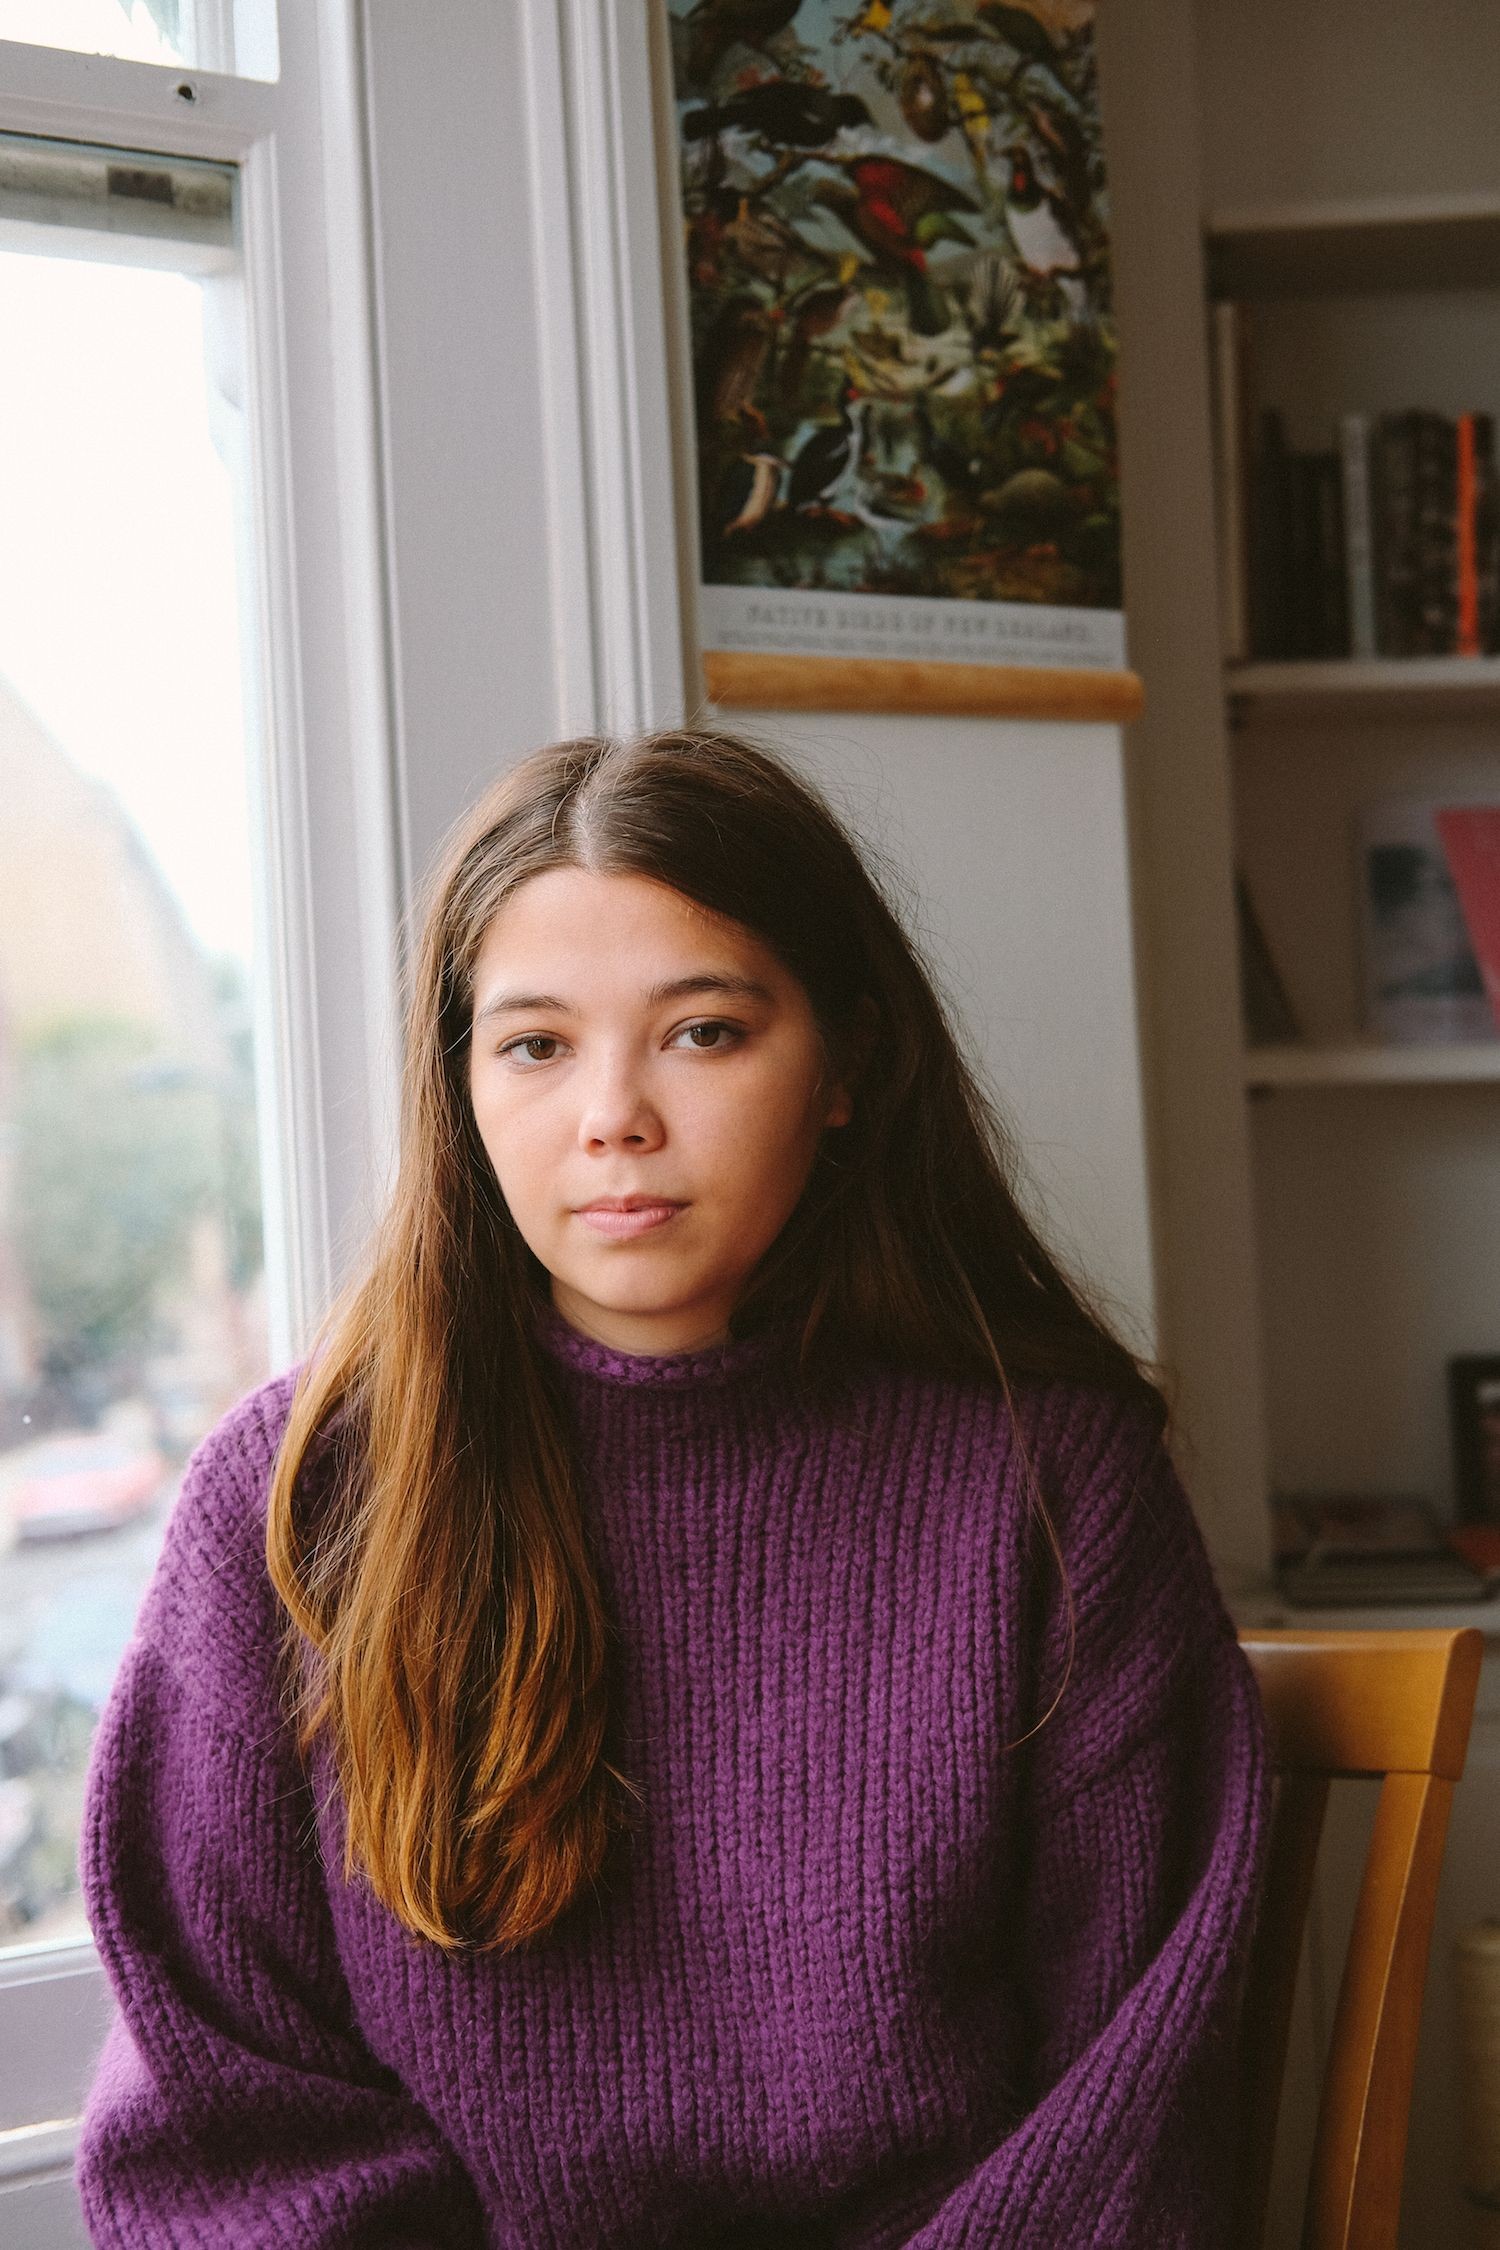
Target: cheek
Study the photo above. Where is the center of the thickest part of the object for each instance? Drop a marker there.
(758, 1128)
(511, 1130)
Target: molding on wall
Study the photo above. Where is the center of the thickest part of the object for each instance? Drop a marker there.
(1178, 769)
(602, 318)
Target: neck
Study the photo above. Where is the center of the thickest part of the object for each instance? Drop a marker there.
(651, 1335)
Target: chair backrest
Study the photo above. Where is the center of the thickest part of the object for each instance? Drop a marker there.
(1390, 1703)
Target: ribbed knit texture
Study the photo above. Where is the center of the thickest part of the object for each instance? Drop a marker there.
(862, 1976)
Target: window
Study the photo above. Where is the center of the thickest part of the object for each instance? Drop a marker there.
(197, 861)
(132, 1281)
(234, 36)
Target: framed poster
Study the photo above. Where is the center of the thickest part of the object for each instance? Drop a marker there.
(896, 231)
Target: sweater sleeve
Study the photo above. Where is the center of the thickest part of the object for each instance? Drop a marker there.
(1145, 1824)
(234, 2099)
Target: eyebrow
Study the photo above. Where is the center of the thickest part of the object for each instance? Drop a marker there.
(674, 988)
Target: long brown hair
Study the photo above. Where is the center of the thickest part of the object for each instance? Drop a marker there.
(444, 1621)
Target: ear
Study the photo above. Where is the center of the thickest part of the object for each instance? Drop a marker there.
(861, 1039)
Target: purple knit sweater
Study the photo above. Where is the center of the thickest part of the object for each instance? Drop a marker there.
(865, 1978)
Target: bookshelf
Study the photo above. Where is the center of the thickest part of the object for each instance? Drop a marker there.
(1359, 246)
(1372, 1063)
(1426, 686)
(1335, 305)
(1327, 1211)
(1330, 1217)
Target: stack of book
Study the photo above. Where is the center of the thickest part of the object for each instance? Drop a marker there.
(1383, 542)
(1352, 1550)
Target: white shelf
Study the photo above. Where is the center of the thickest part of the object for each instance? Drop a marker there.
(1376, 245)
(1396, 687)
(1371, 1063)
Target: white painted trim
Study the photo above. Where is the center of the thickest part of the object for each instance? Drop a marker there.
(618, 650)
(294, 1188)
(378, 767)
(137, 104)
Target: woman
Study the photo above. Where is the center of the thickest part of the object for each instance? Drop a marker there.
(699, 1713)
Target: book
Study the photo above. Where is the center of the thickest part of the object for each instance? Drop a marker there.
(1467, 640)
(1359, 533)
(1346, 1550)
(1316, 619)
(1435, 537)
(1227, 351)
(1330, 626)
(1267, 529)
(1393, 503)
(1386, 543)
(1470, 837)
(1487, 533)
(1421, 979)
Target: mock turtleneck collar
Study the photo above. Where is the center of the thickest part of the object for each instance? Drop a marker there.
(707, 1367)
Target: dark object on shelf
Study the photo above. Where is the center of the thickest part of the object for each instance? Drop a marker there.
(1269, 539)
(1474, 1421)
(1299, 595)
(1359, 533)
(1479, 1544)
(1300, 511)
(1326, 611)
(1356, 1550)
(1270, 1018)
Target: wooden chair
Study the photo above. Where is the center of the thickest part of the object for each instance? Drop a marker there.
(1395, 1704)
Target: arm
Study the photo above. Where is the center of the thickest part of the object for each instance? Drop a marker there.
(1145, 1811)
(234, 2100)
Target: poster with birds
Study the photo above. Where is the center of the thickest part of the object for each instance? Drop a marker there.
(896, 229)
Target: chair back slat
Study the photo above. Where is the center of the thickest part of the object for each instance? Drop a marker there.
(1296, 1832)
(1397, 1704)
(1359, 2154)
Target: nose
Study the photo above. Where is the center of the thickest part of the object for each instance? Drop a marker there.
(617, 1109)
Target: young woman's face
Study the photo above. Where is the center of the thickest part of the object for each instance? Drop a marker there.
(627, 1044)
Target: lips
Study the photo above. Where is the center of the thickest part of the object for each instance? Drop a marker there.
(622, 1221)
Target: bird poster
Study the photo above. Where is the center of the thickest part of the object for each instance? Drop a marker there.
(896, 230)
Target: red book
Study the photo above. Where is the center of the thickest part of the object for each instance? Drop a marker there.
(1471, 841)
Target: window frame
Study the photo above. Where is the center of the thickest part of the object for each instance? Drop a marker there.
(324, 813)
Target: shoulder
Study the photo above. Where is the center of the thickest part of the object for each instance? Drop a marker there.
(210, 1611)
(1135, 1608)
(1094, 1458)
(1084, 1443)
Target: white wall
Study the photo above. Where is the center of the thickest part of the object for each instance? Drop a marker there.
(1010, 839)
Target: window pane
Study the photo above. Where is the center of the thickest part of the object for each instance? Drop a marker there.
(238, 36)
(131, 1288)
